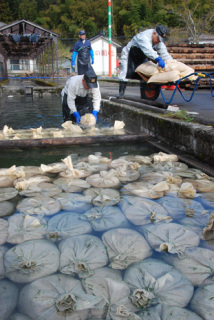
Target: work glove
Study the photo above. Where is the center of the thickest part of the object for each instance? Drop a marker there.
(92, 61)
(95, 114)
(77, 116)
(160, 62)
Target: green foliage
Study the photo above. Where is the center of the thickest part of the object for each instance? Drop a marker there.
(5, 13)
(67, 17)
(181, 115)
(27, 10)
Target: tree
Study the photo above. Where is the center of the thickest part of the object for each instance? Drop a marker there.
(28, 10)
(195, 16)
(5, 13)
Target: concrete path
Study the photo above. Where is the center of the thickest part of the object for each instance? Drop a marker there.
(202, 103)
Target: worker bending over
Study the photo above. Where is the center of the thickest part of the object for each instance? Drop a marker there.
(76, 101)
(145, 46)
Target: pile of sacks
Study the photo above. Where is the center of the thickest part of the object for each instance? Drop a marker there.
(102, 238)
(173, 71)
(87, 127)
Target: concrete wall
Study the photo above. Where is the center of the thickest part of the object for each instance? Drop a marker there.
(195, 140)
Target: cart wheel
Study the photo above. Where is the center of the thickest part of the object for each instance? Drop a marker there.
(149, 91)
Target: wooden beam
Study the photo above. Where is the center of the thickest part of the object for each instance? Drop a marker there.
(56, 142)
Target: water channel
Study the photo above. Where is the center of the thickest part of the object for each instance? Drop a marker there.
(124, 232)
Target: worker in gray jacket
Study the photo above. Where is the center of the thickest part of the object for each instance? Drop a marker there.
(146, 45)
(75, 96)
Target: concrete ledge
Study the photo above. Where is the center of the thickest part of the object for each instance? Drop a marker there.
(196, 140)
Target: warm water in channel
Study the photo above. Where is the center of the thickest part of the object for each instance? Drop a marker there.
(123, 233)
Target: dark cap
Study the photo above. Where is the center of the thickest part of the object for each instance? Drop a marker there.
(162, 32)
(91, 78)
(81, 32)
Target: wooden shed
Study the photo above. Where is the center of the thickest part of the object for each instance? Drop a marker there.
(25, 40)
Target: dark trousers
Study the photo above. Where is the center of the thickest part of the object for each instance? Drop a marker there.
(83, 105)
(136, 57)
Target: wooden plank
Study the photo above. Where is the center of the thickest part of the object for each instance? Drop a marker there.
(56, 142)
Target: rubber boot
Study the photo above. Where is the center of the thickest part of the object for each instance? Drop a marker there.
(122, 88)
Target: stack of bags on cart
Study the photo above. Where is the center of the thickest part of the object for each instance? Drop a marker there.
(173, 71)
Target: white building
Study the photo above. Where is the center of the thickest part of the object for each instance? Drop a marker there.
(100, 46)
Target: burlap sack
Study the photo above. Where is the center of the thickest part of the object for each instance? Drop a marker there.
(64, 299)
(8, 297)
(81, 255)
(39, 205)
(125, 246)
(148, 68)
(31, 260)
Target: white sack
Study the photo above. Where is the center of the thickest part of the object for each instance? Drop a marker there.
(142, 211)
(156, 177)
(74, 202)
(66, 225)
(53, 167)
(114, 293)
(3, 231)
(92, 167)
(8, 298)
(125, 175)
(196, 224)
(97, 158)
(24, 227)
(197, 264)
(44, 188)
(104, 179)
(163, 312)
(137, 158)
(103, 197)
(22, 183)
(81, 255)
(88, 120)
(105, 218)
(208, 232)
(125, 246)
(39, 205)
(13, 172)
(6, 182)
(146, 190)
(171, 166)
(153, 281)
(204, 185)
(7, 208)
(29, 171)
(148, 68)
(169, 76)
(3, 250)
(7, 193)
(71, 185)
(163, 157)
(119, 163)
(56, 297)
(179, 208)
(171, 238)
(187, 190)
(31, 260)
(202, 302)
(72, 173)
(18, 316)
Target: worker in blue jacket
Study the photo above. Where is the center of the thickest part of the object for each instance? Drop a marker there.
(83, 51)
